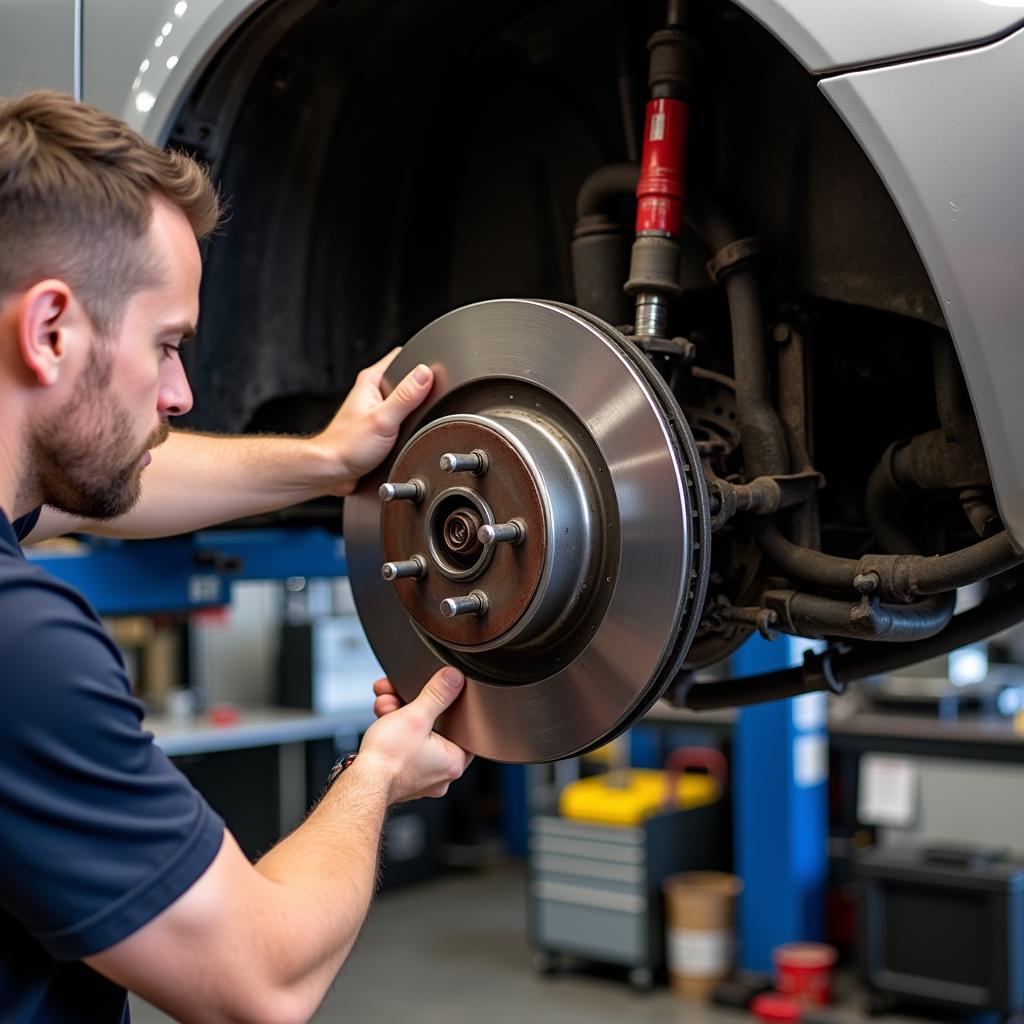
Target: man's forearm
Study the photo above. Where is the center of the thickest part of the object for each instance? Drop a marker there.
(327, 870)
(197, 480)
(264, 944)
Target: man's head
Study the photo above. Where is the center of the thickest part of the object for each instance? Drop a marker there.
(99, 276)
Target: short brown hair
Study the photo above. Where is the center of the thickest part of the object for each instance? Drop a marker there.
(76, 187)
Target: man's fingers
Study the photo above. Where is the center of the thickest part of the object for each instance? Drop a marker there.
(440, 692)
(385, 705)
(383, 686)
(407, 395)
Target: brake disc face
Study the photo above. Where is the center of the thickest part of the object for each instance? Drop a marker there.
(547, 533)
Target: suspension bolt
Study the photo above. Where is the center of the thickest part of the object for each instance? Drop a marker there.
(866, 582)
(475, 462)
(474, 603)
(511, 532)
(767, 621)
(409, 568)
(412, 490)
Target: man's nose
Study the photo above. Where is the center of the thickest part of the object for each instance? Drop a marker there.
(175, 398)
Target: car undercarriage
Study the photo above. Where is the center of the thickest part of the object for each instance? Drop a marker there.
(754, 421)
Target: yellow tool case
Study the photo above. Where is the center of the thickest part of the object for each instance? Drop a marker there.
(630, 796)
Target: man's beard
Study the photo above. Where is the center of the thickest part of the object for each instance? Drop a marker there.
(84, 458)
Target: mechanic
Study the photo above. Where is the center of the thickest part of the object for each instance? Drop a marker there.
(114, 873)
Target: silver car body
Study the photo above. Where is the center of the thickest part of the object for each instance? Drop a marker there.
(930, 88)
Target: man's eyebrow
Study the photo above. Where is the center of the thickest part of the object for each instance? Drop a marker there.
(183, 330)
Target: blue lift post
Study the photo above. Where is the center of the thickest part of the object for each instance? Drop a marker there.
(780, 811)
(189, 572)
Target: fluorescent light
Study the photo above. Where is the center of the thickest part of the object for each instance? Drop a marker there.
(144, 102)
(171, 61)
(180, 8)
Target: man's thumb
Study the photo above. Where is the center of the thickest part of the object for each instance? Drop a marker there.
(408, 394)
(441, 690)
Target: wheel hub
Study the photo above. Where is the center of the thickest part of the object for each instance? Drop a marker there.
(523, 478)
(541, 527)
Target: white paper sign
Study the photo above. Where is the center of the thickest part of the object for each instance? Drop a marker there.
(810, 712)
(887, 791)
(810, 759)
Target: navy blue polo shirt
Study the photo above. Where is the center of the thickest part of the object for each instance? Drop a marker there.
(99, 832)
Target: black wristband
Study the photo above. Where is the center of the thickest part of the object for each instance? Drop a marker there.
(339, 767)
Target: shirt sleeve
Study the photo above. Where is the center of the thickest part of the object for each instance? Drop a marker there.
(99, 832)
(26, 524)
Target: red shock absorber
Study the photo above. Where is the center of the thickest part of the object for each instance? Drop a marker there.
(654, 266)
(661, 189)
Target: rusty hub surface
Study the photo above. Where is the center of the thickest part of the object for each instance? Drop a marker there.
(443, 526)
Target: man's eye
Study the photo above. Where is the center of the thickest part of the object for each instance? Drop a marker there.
(171, 350)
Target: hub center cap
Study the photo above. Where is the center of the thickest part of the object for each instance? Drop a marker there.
(499, 509)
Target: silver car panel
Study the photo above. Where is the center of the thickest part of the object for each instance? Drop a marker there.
(140, 59)
(829, 35)
(946, 135)
(39, 45)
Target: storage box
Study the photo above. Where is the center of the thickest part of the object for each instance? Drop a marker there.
(943, 925)
(632, 795)
(595, 890)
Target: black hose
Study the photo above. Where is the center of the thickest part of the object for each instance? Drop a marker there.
(836, 667)
(889, 508)
(859, 660)
(598, 249)
(903, 577)
(816, 616)
(735, 693)
(762, 437)
(987, 558)
(605, 185)
(804, 563)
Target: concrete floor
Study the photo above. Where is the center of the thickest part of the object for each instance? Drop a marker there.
(454, 951)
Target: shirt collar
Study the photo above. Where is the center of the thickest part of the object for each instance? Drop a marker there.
(8, 539)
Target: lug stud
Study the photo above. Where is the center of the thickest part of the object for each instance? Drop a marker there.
(475, 462)
(412, 490)
(409, 568)
(511, 532)
(474, 603)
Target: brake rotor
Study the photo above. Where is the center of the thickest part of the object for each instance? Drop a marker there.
(545, 529)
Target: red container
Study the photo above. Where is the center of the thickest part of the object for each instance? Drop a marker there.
(803, 970)
(772, 1006)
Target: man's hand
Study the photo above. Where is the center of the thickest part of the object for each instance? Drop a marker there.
(403, 746)
(387, 699)
(366, 426)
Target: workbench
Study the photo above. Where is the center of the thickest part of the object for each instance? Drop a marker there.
(965, 769)
(989, 739)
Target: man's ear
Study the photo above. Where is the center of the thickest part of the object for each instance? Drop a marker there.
(43, 328)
